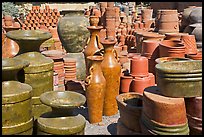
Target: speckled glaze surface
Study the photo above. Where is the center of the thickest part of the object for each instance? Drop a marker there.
(16, 108)
(29, 40)
(11, 67)
(180, 78)
(95, 89)
(72, 31)
(111, 70)
(130, 107)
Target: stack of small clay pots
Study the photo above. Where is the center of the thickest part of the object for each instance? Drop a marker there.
(70, 69)
(57, 56)
(39, 18)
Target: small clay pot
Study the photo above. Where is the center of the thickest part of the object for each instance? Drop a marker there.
(150, 49)
(197, 56)
(125, 82)
(110, 4)
(93, 20)
(139, 67)
(140, 83)
(189, 43)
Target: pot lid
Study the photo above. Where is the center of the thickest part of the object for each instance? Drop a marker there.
(62, 125)
(14, 91)
(38, 62)
(9, 64)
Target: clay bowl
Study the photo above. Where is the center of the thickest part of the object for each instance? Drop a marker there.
(180, 78)
(62, 99)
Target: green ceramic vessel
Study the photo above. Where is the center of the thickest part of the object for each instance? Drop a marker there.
(16, 108)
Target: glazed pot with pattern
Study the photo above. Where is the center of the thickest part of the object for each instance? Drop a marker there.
(28, 40)
(180, 78)
(130, 107)
(163, 121)
(17, 116)
(62, 120)
(12, 68)
(93, 46)
(111, 70)
(73, 35)
(189, 43)
(95, 89)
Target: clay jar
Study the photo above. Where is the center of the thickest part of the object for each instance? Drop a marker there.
(93, 45)
(139, 67)
(125, 82)
(111, 70)
(150, 48)
(140, 83)
(189, 43)
(93, 20)
(130, 107)
(95, 89)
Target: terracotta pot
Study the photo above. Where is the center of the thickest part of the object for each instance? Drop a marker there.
(163, 107)
(125, 82)
(110, 33)
(189, 43)
(174, 36)
(136, 25)
(110, 23)
(197, 31)
(197, 56)
(93, 20)
(152, 79)
(146, 14)
(93, 46)
(130, 107)
(148, 24)
(110, 4)
(102, 34)
(95, 89)
(8, 23)
(110, 67)
(150, 49)
(141, 71)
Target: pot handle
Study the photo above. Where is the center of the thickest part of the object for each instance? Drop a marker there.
(88, 80)
(116, 54)
(91, 70)
(98, 43)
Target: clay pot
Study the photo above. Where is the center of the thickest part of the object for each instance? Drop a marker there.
(16, 108)
(130, 107)
(141, 71)
(93, 46)
(110, 4)
(150, 49)
(146, 14)
(93, 20)
(164, 122)
(197, 56)
(167, 59)
(103, 4)
(8, 23)
(174, 36)
(16, 24)
(110, 67)
(152, 79)
(189, 43)
(140, 83)
(168, 21)
(95, 89)
(183, 82)
(125, 82)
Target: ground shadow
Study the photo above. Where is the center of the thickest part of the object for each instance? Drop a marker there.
(112, 128)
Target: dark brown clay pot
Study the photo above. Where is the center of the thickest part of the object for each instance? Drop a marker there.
(189, 43)
(130, 107)
(140, 83)
(125, 82)
(139, 67)
(111, 70)
(95, 89)
(93, 46)
(167, 110)
(194, 106)
(150, 49)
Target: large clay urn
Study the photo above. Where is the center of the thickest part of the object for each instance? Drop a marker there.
(111, 70)
(72, 31)
(94, 46)
(95, 89)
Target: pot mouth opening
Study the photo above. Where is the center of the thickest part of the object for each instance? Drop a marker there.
(137, 102)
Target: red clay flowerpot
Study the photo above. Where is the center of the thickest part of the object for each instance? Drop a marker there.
(146, 14)
(174, 36)
(139, 84)
(125, 82)
(163, 110)
(139, 67)
(197, 56)
(150, 49)
(189, 43)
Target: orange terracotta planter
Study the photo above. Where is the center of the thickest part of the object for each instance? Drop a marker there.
(140, 83)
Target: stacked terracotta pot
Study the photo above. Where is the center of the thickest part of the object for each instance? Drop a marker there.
(8, 22)
(70, 69)
(57, 56)
(39, 18)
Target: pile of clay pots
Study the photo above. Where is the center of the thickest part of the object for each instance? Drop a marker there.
(39, 18)
(9, 22)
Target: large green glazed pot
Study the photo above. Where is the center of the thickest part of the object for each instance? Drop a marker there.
(180, 78)
(11, 68)
(80, 64)
(16, 108)
(29, 40)
(39, 74)
(72, 31)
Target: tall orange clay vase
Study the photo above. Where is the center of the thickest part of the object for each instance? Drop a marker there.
(95, 89)
(93, 45)
(111, 70)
